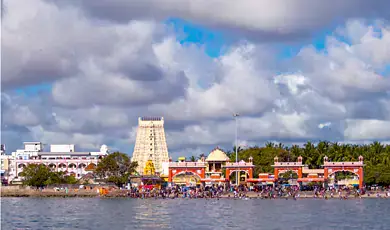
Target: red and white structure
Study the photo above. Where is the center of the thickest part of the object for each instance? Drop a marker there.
(209, 170)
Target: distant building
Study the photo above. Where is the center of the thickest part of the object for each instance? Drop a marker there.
(60, 158)
(5, 165)
(150, 144)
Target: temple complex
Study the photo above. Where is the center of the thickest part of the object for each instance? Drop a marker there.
(216, 169)
(213, 170)
(150, 144)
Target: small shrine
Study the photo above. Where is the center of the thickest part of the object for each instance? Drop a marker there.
(215, 161)
(149, 168)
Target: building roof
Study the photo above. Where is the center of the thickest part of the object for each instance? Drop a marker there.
(90, 167)
(88, 176)
(66, 153)
(217, 155)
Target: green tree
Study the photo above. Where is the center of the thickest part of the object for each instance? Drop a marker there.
(193, 158)
(288, 175)
(70, 179)
(40, 176)
(116, 168)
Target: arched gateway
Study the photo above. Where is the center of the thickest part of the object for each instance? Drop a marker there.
(241, 166)
(355, 167)
(282, 167)
(319, 175)
(196, 168)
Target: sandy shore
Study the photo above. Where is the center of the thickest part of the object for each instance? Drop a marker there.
(23, 192)
(18, 192)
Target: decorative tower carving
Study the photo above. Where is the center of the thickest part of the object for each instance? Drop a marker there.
(326, 159)
(276, 159)
(150, 143)
(149, 168)
(300, 159)
(250, 159)
(361, 158)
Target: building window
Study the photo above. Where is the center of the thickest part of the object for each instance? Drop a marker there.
(151, 144)
(151, 149)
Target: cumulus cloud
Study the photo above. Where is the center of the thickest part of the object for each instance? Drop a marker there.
(270, 19)
(360, 130)
(105, 73)
(242, 85)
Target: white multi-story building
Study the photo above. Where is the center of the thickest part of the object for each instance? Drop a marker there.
(60, 158)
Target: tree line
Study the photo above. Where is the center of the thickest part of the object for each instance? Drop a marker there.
(115, 168)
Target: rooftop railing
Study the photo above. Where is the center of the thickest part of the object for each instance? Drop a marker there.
(238, 164)
(336, 164)
(288, 164)
(55, 161)
(187, 164)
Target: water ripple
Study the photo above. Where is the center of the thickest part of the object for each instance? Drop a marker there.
(111, 214)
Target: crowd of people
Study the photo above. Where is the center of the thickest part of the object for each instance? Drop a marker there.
(243, 191)
(177, 192)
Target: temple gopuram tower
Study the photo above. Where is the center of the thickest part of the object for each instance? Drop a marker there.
(150, 143)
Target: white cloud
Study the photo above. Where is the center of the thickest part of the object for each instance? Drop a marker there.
(105, 74)
(324, 125)
(367, 129)
(278, 17)
(241, 85)
(91, 141)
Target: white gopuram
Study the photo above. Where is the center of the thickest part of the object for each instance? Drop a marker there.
(150, 143)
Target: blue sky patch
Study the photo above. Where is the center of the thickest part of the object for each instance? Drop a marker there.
(190, 33)
(34, 89)
(385, 71)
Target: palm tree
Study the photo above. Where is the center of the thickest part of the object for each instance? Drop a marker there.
(269, 145)
(239, 149)
(192, 158)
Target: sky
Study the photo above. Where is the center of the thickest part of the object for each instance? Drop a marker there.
(82, 72)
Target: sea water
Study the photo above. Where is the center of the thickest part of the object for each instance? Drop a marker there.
(126, 213)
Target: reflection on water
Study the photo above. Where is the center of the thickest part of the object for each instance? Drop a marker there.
(96, 213)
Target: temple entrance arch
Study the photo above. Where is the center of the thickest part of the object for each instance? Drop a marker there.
(178, 168)
(240, 171)
(355, 167)
(242, 166)
(243, 175)
(187, 178)
(290, 167)
(286, 175)
(344, 177)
